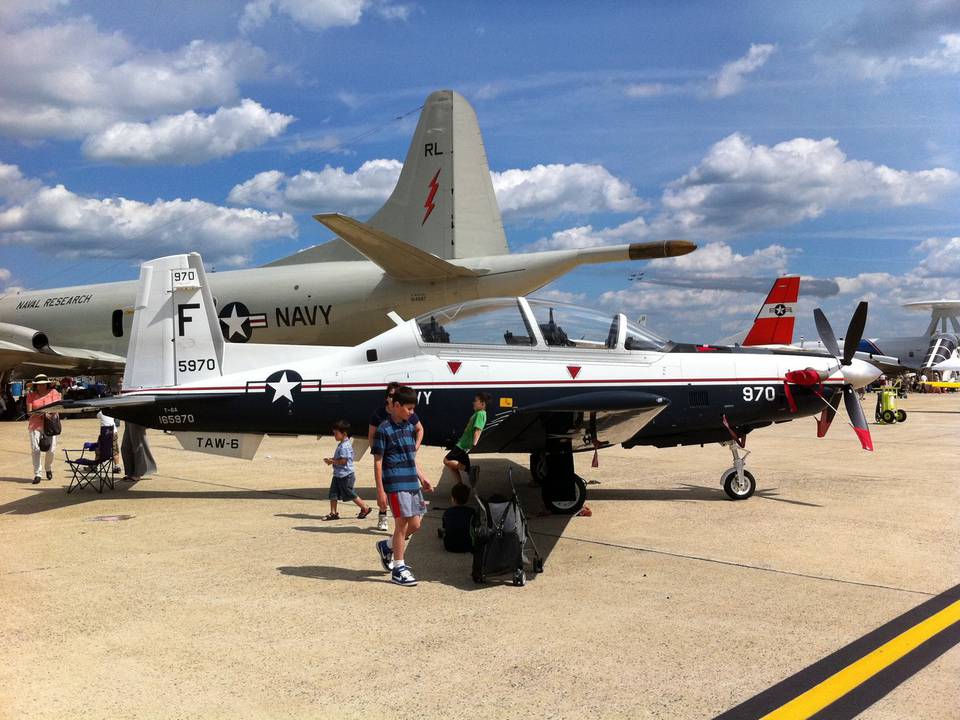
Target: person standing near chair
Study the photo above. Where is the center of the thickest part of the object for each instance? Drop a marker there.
(341, 486)
(40, 395)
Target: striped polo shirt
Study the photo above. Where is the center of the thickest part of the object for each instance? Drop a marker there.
(396, 444)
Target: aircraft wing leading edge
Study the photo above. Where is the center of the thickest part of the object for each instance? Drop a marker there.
(608, 417)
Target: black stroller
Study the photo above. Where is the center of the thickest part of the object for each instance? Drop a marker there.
(500, 537)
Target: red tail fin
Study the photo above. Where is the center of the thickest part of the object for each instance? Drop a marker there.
(774, 323)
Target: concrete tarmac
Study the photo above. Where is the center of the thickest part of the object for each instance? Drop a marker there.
(223, 594)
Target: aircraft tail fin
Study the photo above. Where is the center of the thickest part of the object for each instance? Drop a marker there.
(443, 203)
(774, 323)
(176, 335)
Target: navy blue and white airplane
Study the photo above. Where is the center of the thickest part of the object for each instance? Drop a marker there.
(562, 380)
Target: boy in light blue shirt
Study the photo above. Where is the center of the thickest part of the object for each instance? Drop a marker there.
(341, 486)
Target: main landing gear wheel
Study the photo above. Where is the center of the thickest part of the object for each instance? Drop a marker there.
(538, 467)
(568, 505)
(734, 488)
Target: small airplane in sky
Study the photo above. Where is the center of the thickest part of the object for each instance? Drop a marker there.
(562, 380)
(438, 239)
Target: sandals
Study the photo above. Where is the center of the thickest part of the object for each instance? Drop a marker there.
(331, 516)
(363, 513)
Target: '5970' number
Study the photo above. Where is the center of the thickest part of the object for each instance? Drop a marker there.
(196, 365)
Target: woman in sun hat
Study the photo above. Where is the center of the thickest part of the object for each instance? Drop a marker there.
(42, 393)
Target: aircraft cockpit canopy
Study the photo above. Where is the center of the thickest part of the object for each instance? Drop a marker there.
(506, 321)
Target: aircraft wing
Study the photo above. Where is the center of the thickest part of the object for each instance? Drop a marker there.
(610, 417)
(398, 259)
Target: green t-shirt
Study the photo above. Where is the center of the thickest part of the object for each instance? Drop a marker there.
(477, 422)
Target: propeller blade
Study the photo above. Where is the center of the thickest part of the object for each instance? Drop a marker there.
(857, 419)
(854, 332)
(826, 417)
(826, 333)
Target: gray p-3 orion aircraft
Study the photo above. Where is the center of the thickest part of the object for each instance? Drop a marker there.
(438, 240)
(561, 380)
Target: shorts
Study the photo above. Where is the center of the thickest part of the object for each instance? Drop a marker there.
(341, 488)
(406, 503)
(459, 455)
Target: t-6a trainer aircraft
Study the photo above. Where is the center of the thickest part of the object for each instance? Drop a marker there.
(562, 380)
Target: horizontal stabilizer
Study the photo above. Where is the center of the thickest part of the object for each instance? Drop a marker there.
(398, 259)
(236, 445)
(606, 417)
(77, 407)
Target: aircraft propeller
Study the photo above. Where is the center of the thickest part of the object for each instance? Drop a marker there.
(814, 378)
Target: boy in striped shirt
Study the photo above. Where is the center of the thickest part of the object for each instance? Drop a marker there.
(399, 485)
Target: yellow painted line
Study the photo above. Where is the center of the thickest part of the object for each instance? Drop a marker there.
(841, 683)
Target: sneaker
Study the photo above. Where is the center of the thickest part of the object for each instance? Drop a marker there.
(36, 480)
(382, 521)
(386, 555)
(402, 576)
(49, 474)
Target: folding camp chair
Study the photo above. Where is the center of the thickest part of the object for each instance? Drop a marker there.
(95, 471)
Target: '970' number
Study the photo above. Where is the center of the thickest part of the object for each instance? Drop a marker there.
(757, 393)
(196, 365)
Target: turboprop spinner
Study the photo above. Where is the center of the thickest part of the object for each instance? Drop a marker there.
(856, 373)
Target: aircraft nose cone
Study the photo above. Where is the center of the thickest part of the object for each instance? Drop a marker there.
(859, 373)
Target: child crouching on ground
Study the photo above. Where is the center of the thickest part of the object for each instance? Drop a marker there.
(341, 486)
(458, 521)
(398, 482)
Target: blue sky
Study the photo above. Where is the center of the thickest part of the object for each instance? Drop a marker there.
(815, 138)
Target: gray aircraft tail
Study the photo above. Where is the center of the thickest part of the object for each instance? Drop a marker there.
(444, 202)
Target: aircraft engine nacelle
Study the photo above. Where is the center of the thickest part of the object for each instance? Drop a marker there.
(942, 346)
(23, 337)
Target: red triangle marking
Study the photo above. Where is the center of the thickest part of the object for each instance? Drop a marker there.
(574, 370)
(454, 365)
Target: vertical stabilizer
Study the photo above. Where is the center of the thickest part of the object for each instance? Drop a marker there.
(176, 335)
(444, 201)
(774, 323)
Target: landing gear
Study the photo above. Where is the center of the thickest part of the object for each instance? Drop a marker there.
(538, 467)
(738, 482)
(564, 492)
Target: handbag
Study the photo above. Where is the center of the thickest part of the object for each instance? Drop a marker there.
(51, 424)
(44, 442)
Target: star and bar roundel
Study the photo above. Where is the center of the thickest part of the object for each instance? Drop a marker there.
(237, 322)
(285, 385)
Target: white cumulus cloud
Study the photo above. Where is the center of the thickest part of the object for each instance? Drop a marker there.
(740, 186)
(70, 79)
(318, 14)
(54, 219)
(189, 138)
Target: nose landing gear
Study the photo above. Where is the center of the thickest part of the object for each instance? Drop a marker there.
(738, 482)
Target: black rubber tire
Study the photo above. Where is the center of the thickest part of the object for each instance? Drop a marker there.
(731, 477)
(538, 565)
(901, 415)
(519, 578)
(565, 507)
(538, 467)
(887, 416)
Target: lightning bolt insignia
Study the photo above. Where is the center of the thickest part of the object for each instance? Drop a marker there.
(434, 186)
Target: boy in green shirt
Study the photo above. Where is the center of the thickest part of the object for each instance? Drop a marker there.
(457, 459)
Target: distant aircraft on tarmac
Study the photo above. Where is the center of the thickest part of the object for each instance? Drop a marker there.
(438, 239)
(562, 380)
